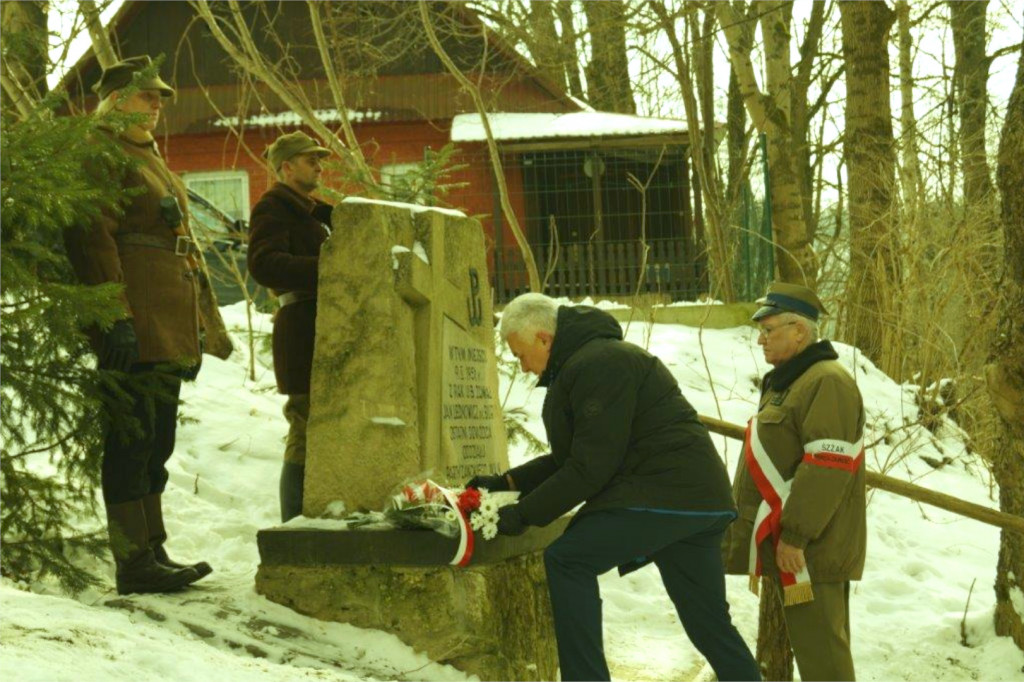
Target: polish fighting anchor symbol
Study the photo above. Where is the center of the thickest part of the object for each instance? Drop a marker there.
(474, 306)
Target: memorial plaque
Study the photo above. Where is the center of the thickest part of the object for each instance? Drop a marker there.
(470, 414)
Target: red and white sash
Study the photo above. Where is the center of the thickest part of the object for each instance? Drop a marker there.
(831, 453)
(774, 491)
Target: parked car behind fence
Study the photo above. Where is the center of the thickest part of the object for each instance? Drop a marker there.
(224, 243)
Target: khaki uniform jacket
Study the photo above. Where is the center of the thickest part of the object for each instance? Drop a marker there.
(286, 231)
(810, 422)
(160, 288)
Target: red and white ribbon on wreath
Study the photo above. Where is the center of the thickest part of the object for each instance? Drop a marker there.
(465, 551)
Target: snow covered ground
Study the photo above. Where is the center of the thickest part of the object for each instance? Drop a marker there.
(907, 613)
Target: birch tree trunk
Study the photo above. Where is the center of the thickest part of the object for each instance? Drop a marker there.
(544, 43)
(970, 82)
(771, 113)
(106, 55)
(873, 288)
(570, 55)
(1005, 371)
(910, 170)
(609, 87)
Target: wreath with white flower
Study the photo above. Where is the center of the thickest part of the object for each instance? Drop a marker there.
(452, 512)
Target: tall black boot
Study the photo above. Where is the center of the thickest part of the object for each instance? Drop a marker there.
(158, 536)
(137, 569)
(292, 477)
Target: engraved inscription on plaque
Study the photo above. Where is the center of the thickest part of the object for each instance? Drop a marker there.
(469, 409)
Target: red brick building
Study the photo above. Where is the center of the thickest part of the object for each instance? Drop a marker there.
(565, 167)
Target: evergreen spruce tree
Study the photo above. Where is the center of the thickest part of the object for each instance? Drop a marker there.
(51, 422)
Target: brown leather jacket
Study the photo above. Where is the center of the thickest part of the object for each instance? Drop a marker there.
(286, 231)
(136, 249)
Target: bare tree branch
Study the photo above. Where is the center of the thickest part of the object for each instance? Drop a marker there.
(249, 57)
(492, 147)
(332, 79)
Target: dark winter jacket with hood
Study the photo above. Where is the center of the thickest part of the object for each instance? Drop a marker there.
(622, 435)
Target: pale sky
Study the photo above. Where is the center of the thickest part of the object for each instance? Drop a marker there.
(62, 22)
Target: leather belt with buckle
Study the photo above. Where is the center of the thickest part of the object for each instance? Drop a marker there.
(182, 244)
(295, 297)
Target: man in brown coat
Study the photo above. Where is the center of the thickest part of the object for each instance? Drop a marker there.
(287, 228)
(147, 249)
(800, 485)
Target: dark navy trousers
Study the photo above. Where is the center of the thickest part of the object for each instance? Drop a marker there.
(687, 551)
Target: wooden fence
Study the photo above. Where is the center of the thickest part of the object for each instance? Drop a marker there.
(603, 269)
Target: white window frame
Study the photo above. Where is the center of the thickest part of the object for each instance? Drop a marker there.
(394, 170)
(208, 176)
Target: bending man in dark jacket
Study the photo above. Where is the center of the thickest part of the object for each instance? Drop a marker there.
(625, 441)
(288, 227)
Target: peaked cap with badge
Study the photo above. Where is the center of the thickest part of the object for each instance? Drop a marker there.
(783, 297)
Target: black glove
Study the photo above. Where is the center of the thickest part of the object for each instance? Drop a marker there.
(492, 483)
(120, 347)
(510, 521)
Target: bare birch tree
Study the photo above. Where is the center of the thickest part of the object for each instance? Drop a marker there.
(608, 83)
(970, 77)
(102, 47)
(873, 289)
(772, 113)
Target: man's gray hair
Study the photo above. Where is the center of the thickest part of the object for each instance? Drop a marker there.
(809, 325)
(528, 314)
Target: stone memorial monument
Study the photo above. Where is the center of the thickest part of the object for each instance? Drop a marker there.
(404, 373)
(404, 384)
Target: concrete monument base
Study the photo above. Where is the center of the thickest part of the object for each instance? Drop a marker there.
(491, 618)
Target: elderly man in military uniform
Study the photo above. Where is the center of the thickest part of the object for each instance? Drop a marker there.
(287, 228)
(147, 248)
(800, 485)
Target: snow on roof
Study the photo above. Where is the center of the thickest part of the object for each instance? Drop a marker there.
(290, 118)
(469, 127)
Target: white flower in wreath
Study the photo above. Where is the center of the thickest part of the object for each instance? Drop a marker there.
(490, 531)
(477, 521)
(488, 506)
